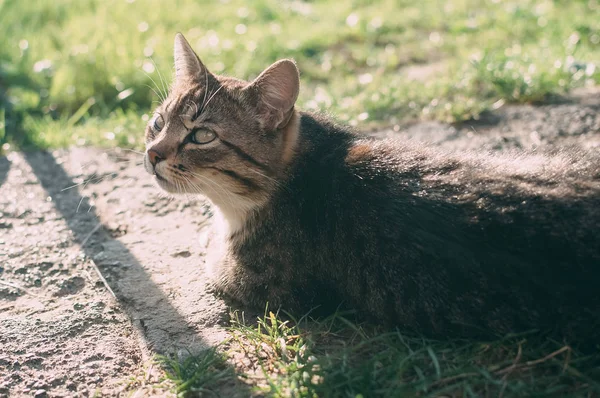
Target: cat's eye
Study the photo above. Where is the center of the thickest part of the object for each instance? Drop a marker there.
(202, 136)
(158, 123)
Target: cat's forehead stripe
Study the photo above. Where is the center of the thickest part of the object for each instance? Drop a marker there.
(185, 104)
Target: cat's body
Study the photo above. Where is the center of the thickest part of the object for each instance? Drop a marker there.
(445, 244)
(317, 216)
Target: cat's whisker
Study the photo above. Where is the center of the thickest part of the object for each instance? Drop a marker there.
(274, 181)
(211, 184)
(195, 187)
(72, 186)
(211, 97)
(133, 150)
(84, 186)
(84, 182)
(162, 81)
(116, 157)
(79, 204)
(205, 91)
(180, 186)
(162, 98)
(134, 163)
(202, 192)
(229, 196)
(177, 189)
(155, 92)
(98, 179)
(135, 176)
(124, 159)
(208, 183)
(188, 183)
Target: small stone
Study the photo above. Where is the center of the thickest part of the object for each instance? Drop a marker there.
(71, 286)
(116, 230)
(24, 214)
(40, 393)
(183, 253)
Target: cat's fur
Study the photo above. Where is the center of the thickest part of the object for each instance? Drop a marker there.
(447, 244)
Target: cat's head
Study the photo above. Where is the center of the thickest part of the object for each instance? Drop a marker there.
(223, 137)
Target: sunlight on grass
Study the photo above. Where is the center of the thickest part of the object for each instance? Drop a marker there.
(368, 63)
(336, 358)
(197, 374)
(120, 129)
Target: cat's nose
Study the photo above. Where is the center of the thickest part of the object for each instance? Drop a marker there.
(154, 157)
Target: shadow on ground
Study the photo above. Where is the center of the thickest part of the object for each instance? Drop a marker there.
(152, 314)
(4, 167)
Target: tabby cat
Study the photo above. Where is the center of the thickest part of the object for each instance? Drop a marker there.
(445, 244)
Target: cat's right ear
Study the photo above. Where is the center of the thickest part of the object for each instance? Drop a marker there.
(188, 66)
(277, 88)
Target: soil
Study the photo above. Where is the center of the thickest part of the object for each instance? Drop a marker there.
(99, 271)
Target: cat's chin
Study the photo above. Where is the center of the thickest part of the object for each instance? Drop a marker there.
(167, 186)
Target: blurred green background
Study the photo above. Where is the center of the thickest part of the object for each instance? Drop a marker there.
(88, 71)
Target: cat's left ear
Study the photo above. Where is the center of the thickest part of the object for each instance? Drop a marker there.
(188, 66)
(277, 88)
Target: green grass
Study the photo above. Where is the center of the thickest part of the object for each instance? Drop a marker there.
(337, 358)
(197, 374)
(99, 60)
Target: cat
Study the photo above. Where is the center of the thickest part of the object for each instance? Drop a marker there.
(315, 215)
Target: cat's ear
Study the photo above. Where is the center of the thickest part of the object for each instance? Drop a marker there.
(187, 64)
(277, 88)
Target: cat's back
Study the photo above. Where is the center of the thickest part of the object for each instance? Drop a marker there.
(531, 209)
(519, 202)
(437, 238)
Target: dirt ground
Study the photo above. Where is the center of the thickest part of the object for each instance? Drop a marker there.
(96, 278)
